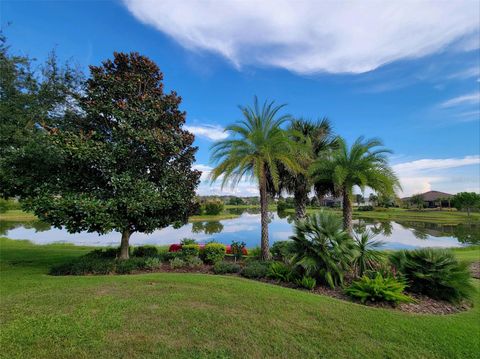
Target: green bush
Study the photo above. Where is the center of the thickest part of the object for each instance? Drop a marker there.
(145, 251)
(212, 253)
(281, 205)
(126, 266)
(365, 208)
(177, 262)
(110, 252)
(214, 207)
(84, 265)
(226, 267)
(237, 249)
(190, 250)
(323, 250)
(306, 282)
(152, 262)
(193, 262)
(378, 289)
(436, 273)
(187, 241)
(8, 205)
(255, 253)
(279, 271)
(255, 269)
(283, 250)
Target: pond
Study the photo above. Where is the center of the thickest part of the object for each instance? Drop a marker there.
(246, 228)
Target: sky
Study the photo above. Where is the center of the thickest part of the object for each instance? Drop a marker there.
(407, 72)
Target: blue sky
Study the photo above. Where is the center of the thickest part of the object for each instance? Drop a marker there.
(407, 72)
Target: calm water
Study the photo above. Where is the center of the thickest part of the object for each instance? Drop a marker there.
(247, 228)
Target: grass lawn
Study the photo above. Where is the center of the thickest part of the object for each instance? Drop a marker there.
(201, 316)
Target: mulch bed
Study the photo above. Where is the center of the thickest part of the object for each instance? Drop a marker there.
(475, 269)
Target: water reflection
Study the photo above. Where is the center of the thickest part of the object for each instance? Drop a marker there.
(246, 228)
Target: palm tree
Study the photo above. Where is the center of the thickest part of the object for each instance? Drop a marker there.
(256, 147)
(368, 256)
(364, 164)
(312, 138)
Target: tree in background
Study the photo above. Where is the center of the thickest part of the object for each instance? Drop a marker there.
(364, 164)
(359, 199)
(123, 164)
(466, 201)
(311, 138)
(256, 147)
(417, 200)
(373, 199)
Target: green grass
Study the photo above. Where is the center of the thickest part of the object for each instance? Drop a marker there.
(201, 316)
(17, 215)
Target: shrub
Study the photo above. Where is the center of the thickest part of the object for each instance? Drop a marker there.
(190, 250)
(436, 273)
(280, 271)
(367, 257)
(193, 262)
(177, 262)
(186, 241)
(255, 253)
(282, 250)
(152, 262)
(110, 252)
(212, 253)
(238, 249)
(365, 208)
(168, 256)
(145, 251)
(213, 207)
(378, 289)
(84, 265)
(322, 248)
(175, 247)
(255, 269)
(281, 205)
(127, 266)
(306, 282)
(226, 267)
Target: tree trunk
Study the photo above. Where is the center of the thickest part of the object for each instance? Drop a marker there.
(301, 199)
(124, 244)
(347, 211)
(264, 217)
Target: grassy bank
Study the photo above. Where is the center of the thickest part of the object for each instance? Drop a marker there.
(201, 316)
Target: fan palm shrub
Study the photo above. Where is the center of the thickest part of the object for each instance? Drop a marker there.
(368, 256)
(255, 148)
(322, 249)
(378, 289)
(364, 164)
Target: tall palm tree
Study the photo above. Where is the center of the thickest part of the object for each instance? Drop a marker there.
(256, 147)
(364, 164)
(311, 138)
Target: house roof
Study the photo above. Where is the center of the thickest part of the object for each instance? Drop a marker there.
(433, 196)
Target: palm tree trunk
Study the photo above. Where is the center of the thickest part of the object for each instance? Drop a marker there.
(264, 217)
(301, 199)
(125, 244)
(347, 211)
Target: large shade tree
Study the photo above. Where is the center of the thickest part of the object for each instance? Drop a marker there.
(312, 139)
(364, 164)
(124, 163)
(256, 146)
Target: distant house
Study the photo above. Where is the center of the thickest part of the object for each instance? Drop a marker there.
(433, 199)
(331, 201)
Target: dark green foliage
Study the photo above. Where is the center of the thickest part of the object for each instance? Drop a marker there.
(279, 271)
(255, 269)
(111, 252)
(226, 267)
(190, 250)
(378, 289)
(283, 250)
(323, 250)
(145, 251)
(436, 273)
(367, 256)
(188, 241)
(466, 201)
(306, 282)
(85, 265)
(214, 207)
(282, 205)
(8, 205)
(237, 249)
(129, 265)
(212, 253)
(123, 163)
(365, 208)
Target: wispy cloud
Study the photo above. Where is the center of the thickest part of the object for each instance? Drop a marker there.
(244, 188)
(424, 174)
(473, 71)
(468, 99)
(309, 36)
(210, 132)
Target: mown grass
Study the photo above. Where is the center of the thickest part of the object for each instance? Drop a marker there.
(201, 316)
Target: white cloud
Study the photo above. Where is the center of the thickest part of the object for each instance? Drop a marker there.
(429, 174)
(471, 98)
(245, 188)
(473, 71)
(309, 36)
(210, 132)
